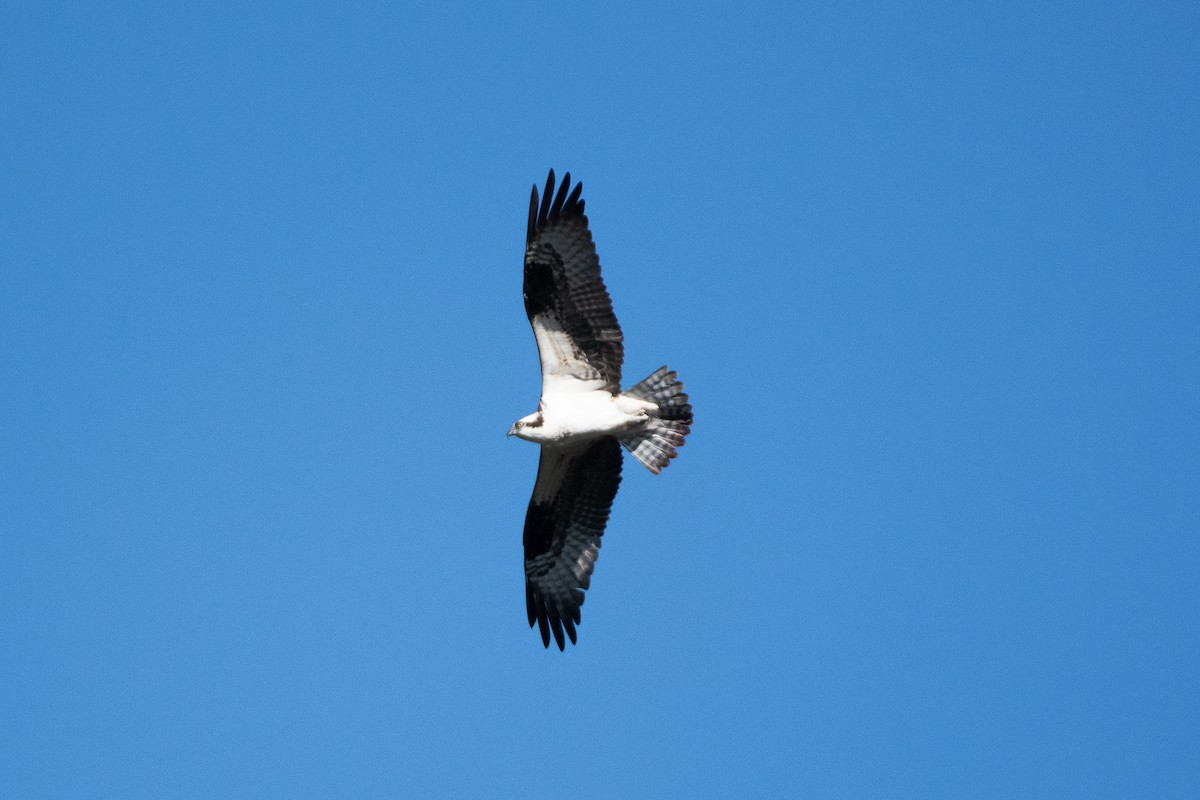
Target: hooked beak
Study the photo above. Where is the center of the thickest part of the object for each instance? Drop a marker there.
(512, 431)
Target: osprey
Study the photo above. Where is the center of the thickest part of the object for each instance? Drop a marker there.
(583, 417)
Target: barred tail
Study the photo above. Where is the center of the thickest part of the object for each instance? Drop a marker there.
(655, 445)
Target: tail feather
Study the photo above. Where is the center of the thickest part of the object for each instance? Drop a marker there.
(655, 445)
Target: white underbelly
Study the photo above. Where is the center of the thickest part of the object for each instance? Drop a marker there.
(587, 415)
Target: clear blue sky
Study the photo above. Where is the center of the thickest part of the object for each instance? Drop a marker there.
(931, 275)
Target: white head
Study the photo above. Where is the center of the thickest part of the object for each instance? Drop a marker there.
(528, 428)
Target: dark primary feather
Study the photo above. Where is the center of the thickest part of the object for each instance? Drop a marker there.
(562, 532)
(562, 279)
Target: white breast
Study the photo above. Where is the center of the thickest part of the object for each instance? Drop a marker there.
(577, 412)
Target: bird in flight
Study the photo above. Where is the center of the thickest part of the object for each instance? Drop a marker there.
(583, 417)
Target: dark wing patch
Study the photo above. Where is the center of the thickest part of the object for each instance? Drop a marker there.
(562, 279)
(566, 518)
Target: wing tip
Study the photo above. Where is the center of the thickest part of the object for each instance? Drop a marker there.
(549, 207)
(552, 623)
(531, 225)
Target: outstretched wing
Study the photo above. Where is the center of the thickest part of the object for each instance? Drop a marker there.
(566, 518)
(569, 308)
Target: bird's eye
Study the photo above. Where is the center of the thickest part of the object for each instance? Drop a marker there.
(520, 424)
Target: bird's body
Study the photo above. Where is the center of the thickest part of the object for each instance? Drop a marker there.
(583, 417)
(574, 415)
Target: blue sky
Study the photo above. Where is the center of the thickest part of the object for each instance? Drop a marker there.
(929, 274)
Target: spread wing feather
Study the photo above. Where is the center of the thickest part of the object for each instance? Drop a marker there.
(566, 518)
(565, 297)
